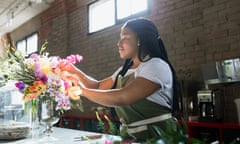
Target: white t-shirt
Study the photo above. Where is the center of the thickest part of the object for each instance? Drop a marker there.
(157, 71)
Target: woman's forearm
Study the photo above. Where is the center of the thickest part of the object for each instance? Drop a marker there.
(109, 98)
(136, 90)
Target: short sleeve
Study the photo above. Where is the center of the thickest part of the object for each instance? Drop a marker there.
(157, 71)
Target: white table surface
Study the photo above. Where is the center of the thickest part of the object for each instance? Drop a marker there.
(63, 136)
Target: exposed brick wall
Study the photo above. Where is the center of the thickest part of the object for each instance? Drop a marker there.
(198, 31)
(194, 32)
(55, 27)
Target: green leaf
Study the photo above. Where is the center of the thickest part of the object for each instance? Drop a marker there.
(174, 133)
(77, 104)
(44, 47)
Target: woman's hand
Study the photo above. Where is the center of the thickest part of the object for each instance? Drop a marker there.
(69, 77)
(67, 67)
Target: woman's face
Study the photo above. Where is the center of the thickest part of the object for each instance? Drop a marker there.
(128, 44)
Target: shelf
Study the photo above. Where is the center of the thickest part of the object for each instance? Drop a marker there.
(214, 124)
(212, 131)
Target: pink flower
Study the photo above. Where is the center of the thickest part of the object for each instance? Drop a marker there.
(126, 142)
(74, 58)
(108, 142)
(35, 57)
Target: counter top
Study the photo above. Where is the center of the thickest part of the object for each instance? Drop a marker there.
(66, 136)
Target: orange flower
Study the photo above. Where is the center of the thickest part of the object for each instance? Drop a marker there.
(34, 91)
(31, 96)
(40, 86)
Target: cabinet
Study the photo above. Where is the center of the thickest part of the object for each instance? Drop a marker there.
(223, 132)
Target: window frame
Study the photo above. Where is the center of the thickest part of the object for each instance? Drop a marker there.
(26, 54)
(116, 21)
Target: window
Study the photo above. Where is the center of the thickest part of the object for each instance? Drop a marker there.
(126, 8)
(105, 13)
(28, 45)
(101, 15)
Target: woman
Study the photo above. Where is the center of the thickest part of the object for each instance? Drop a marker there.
(142, 90)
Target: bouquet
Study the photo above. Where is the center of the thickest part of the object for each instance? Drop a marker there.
(38, 77)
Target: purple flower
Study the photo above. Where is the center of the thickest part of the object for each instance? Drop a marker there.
(64, 104)
(20, 86)
(44, 78)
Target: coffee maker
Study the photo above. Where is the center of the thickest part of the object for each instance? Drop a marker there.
(206, 104)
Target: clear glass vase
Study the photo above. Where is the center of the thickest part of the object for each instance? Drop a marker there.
(31, 116)
(47, 115)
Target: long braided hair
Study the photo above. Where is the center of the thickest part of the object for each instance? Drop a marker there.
(151, 44)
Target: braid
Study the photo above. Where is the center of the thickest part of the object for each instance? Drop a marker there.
(164, 56)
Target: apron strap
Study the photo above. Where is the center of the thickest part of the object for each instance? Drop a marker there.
(151, 120)
(142, 124)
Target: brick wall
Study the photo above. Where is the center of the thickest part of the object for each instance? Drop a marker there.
(194, 32)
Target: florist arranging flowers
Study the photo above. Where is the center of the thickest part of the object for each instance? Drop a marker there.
(142, 91)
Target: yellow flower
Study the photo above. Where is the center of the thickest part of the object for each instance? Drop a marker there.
(74, 92)
(45, 66)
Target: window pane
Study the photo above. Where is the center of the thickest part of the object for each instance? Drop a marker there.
(127, 8)
(21, 46)
(101, 15)
(32, 44)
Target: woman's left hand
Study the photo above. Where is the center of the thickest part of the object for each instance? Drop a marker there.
(69, 77)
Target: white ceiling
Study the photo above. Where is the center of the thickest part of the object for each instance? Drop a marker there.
(22, 11)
